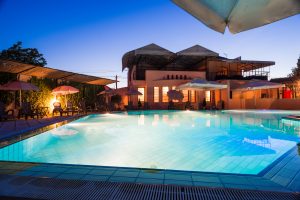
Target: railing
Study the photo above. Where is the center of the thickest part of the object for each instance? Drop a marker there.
(240, 75)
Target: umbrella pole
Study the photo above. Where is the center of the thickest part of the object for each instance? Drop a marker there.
(20, 99)
(66, 100)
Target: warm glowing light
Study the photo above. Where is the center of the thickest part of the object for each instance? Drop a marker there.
(52, 101)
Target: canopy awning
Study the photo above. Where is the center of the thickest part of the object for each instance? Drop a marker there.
(46, 72)
(239, 15)
(201, 84)
(257, 85)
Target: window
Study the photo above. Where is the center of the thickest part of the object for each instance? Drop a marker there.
(185, 95)
(193, 96)
(165, 97)
(207, 95)
(141, 97)
(156, 94)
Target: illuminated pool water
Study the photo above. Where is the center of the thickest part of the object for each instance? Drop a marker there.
(227, 142)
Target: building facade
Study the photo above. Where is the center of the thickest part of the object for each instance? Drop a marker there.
(153, 71)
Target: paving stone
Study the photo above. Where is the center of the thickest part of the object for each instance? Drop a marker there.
(122, 179)
(149, 180)
(95, 178)
(206, 178)
(177, 182)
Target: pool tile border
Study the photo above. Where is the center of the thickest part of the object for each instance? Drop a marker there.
(33, 131)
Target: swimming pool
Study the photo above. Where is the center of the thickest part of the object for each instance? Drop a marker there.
(242, 142)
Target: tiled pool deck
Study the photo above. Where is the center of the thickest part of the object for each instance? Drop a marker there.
(284, 176)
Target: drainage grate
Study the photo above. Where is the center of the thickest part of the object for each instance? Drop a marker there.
(48, 188)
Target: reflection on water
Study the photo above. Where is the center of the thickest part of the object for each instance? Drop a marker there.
(235, 142)
(64, 131)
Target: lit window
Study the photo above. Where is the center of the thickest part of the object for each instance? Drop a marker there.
(165, 97)
(141, 97)
(207, 95)
(193, 96)
(185, 95)
(156, 94)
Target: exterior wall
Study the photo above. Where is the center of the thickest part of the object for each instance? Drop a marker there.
(239, 100)
(275, 104)
(253, 100)
(158, 78)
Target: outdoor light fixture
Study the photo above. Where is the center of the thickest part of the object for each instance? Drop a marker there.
(52, 101)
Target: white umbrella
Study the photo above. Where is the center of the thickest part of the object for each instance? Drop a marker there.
(201, 84)
(258, 85)
(239, 15)
(106, 92)
(64, 90)
(132, 92)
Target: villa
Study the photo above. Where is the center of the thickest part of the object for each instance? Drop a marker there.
(153, 71)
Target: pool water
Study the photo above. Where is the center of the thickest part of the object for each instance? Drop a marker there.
(228, 142)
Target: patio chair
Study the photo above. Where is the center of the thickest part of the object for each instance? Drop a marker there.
(70, 109)
(57, 108)
(28, 111)
(188, 106)
(5, 114)
(82, 107)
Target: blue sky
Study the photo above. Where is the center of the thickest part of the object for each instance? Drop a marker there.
(91, 36)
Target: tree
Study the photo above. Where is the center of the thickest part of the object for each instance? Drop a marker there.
(24, 55)
(296, 71)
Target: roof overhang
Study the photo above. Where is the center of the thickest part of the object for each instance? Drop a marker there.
(248, 65)
(46, 72)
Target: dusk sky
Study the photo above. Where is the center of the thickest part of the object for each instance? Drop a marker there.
(91, 36)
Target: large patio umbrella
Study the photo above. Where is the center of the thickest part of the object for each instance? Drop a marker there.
(258, 85)
(201, 84)
(19, 86)
(2, 87)
(64, 90)
(132, 92)
(106, 92)
(175, 95)
(239, 15)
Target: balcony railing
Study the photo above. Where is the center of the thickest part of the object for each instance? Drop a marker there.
(238, 75)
